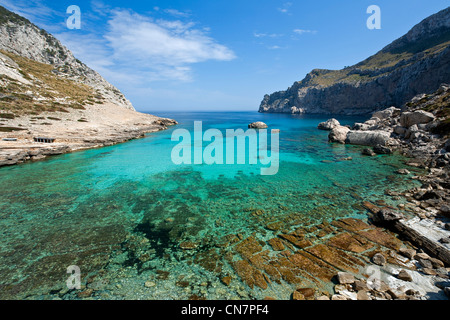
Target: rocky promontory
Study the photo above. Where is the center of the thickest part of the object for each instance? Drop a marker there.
(416, 63)
(52, 103)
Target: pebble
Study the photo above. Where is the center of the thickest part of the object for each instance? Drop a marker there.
(149, 284)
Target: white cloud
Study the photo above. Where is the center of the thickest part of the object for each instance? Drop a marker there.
(274, 47)
(131, 45)
(285, 8)
(267, 35)
(165, 47)
(177, 13)
(302, 31)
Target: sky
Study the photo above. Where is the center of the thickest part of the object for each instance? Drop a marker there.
(216, 55)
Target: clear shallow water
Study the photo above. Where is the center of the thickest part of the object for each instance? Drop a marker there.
(124, 213)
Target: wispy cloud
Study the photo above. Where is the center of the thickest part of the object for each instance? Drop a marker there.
(275, 47)
(303, 31)
(152, 49)
(285, 8)
(164, 47)
(267, 35)
(177, 13)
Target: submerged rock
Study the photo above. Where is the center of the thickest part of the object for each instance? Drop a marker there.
(368, 152)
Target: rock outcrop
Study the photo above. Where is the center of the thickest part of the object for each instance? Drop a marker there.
(416, 63)
(329, 125)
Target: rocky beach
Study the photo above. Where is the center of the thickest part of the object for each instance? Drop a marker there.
(101, 125)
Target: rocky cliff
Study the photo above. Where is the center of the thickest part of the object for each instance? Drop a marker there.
(417, 63)
(21, 37)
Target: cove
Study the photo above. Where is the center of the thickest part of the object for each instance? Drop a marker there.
(127, 215)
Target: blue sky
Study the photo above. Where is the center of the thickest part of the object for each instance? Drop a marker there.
(215, 54)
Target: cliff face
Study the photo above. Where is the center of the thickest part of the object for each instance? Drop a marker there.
(417, 63)
(20, 37)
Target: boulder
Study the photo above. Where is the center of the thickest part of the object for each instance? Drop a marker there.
(411, 131)
(388, 113)
(329, 125)
(408, 119)
(400, 130)
(257, 125)
(379, 149)
(361, 127)
(338, 134)
(367, 138)
(389, 215)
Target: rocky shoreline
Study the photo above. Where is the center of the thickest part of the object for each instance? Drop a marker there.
(102, 125)
(419, 131)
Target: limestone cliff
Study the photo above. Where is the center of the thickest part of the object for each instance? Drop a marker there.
(417, 63)
(21, 37)
(46, 92)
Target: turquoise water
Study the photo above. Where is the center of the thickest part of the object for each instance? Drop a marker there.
(124, 213)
